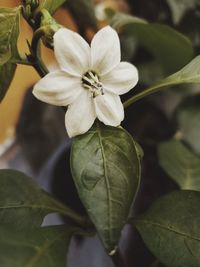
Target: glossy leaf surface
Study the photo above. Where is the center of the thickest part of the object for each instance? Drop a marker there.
(180, 164)
(39, 247)
(106, 170)
(23, 203)
(170, 229)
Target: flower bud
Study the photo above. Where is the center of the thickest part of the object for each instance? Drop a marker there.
(50, 30)
(29, 7)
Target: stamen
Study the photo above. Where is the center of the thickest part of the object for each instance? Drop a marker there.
(91, 82)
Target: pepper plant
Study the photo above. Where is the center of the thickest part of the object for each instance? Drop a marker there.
(107, 162)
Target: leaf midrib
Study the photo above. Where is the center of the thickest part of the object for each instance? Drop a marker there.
(107, 183)
(166, 228)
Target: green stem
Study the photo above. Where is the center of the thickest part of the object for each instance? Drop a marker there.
(21, 62)
(68, 212)
(118, 259)
(35, 57)
(146, 92)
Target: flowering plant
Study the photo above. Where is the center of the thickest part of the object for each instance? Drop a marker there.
(119, 161)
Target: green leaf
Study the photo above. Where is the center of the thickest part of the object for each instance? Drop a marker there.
(171, 48)
(188, 121)
(9, 32)
(51, 5)
(180, 7)
(106, 169)
(188, 75)
(7, 72)
(23, 203)
(180, 164)
(83, 12)
(171, 229)
(40, 247)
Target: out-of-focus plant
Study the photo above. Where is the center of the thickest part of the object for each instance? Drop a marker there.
(106, 160)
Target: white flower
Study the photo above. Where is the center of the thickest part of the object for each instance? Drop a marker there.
(89, 81)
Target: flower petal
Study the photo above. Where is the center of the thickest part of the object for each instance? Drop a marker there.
(121, 79)
(72, 52)
(109, 109)
(80, 115)
(58, 88)
(105, 50)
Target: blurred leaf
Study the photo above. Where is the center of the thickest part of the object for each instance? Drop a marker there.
(106, 170)
(189, 74)
(40, 247)
(83, 13)
(170, 229)
(171, 48)
(23, 203)
(9, 32)
(7, 72)
(51, 5)
(180, 7)
(180, 164)
(188, 120)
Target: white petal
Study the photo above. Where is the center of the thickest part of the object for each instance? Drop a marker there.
(80, 115)
(58, 88)
(105, 50)
(109, 109)
(72, 52)
(121, 79)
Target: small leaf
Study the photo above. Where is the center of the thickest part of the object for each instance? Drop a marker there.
(40, 247)
(9, 32)
(188, 121)
(51, 5)
(171, 48)
(180, 164)
(106, 170)
(23, 203)
(170, 229)
(180, 7)
(7, 72)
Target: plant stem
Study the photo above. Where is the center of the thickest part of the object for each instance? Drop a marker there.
(118, 259)
(146, 92)
(35, 57)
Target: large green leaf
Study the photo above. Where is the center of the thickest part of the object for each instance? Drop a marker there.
(180, 163)
(51, 5)
(188, 121)
(23, 203)
(106, 170)
(180, 7)
(39, 247)
(187, 75)
(171, 48)
(9, 32)
(171, 229)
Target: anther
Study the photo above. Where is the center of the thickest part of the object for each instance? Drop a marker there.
(91, 82)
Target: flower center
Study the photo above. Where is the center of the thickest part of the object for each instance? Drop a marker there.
(90, 81)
